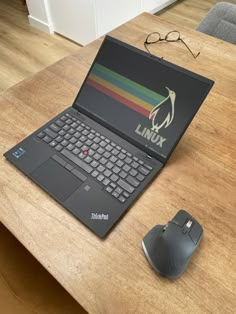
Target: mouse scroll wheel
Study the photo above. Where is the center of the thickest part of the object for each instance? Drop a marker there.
(189, 223)
(187, 226)
(165, 227)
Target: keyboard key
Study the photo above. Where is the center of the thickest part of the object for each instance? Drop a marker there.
(114, 177)
(62, 132)
(41, 134)
(97, 156)
(76, 160)
(115, 152)
(85, 132)
(95, 173)
(59, 123)
(63, 118)
(91, 152)
(88, 159)
(67, 136)
(108, 148)
(97, 140)
(64, 143)
(109, 189)
(50, 133)
(94, 164)
(127, 187)
(79, 144)
(59, 139)
(59, 160)
(107, 154)
(126, 194)
(91, 136)
(74, 125)
(120, 163)
(113, 185)
(122, 199)
(77, 134)
(53, 143)
(76, 151)
(59, 147)
(148, 167)
(134, 164)
(115, 194)
(123, 174)
(69, 167)
(133, 172)
(128, 160)
(73, 140)
(103, 161)
(116, 169)
(113, 159)
(105, 181)
(83, 138)
(79, 175)
(101, 150)
(143, 170)
(54, 127)
(71, 131)
(69, 121)
(132, 181)
(47, 139)
(100, 177)
(94, 146)
(101, 168)
(140, 177)
(70, 147)
(109, 165)
(107, 173)
(126, 168)
(121, 156)
(118, 190)
(103, 143)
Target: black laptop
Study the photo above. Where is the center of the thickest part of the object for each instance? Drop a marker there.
(97, 157)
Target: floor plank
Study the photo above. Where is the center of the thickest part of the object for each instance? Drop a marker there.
(24, 50)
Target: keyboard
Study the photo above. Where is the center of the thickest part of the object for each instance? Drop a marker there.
(115, 168)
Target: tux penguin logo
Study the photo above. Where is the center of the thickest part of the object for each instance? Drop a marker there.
(163, 113)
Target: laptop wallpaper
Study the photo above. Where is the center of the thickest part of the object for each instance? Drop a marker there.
(143, 99)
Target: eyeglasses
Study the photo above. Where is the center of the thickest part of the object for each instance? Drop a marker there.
(172, 36)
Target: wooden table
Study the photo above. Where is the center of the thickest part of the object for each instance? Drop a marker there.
(112, 275)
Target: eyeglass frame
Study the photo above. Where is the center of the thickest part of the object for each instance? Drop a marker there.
(146, 42)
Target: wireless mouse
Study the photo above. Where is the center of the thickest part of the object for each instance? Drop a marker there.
(169, 247)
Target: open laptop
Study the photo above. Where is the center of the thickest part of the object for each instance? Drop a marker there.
(97, 157)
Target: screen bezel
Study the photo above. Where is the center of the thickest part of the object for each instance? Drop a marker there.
(131, 140)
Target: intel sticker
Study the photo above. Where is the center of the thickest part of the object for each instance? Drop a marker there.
(19, 152)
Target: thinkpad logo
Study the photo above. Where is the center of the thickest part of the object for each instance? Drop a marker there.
(96, 216)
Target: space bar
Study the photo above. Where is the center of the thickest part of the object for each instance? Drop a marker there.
(76, 160)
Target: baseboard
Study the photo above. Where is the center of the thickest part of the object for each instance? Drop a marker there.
(162, 6)
(48, 28)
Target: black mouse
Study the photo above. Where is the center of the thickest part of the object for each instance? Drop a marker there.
(169, 248)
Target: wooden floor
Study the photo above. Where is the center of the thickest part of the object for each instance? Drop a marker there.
(24, 50)
(188, 12)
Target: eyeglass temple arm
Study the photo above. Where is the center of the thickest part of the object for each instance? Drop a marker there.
(195, 56)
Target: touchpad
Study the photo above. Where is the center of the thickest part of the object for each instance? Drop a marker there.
(56, 180)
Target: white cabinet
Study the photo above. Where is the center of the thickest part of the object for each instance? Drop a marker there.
(110, 14)
(85, 20)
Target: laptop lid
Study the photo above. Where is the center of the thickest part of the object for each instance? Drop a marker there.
(148, 101)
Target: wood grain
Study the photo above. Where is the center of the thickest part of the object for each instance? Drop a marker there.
(25, 50)
(188, 12)
(112, 275)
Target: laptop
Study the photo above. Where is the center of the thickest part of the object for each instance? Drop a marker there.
(96, 157)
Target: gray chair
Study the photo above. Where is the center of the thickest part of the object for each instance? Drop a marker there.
(220, 22)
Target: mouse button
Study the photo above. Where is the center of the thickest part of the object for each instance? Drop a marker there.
(196, 232)
(181, 217)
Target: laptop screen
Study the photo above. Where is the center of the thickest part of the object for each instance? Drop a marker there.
(147, 100)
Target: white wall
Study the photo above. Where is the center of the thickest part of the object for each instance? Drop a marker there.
(85, 20)
(39, 15)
